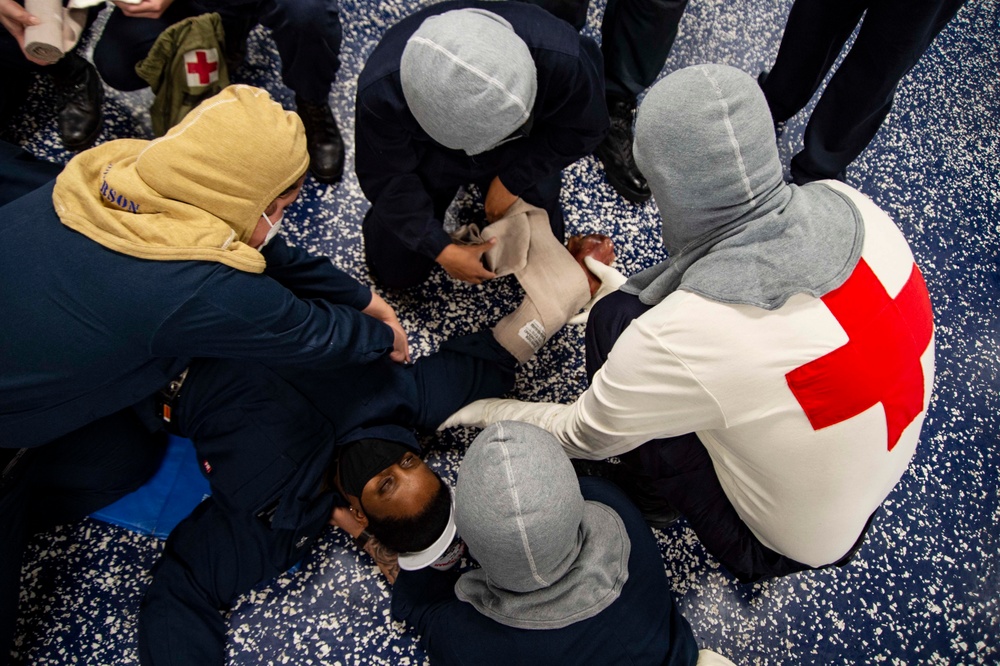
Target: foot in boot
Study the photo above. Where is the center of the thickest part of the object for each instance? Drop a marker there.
(615, 152)
(326, 147)
(655, 510)
(80, 86)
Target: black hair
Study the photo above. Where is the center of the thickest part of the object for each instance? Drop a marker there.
(408, 535)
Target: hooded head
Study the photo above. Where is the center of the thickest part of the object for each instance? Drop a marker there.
(734, 230)
(468, 79)
(548, 557)
(705, 143)
(195, 193)
(230, 157)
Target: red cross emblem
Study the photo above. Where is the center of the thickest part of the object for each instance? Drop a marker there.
(880, 362)
(202, 67)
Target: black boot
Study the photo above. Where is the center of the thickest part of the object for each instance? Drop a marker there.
(79, 84)
(615, 152)
(326, 148)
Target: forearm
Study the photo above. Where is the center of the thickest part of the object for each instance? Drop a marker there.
(307, 276)
(580, 435)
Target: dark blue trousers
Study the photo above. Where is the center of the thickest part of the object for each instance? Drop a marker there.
(636, 38)
(306, 32)
(893, 36)
(62, 482)
(681, 468)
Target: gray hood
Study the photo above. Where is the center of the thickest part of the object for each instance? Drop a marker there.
(548, 557)
(468, 79)
(734, 230)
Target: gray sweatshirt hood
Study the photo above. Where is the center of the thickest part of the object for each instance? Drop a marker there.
(549, 558)
(468, 79)
(734, 230)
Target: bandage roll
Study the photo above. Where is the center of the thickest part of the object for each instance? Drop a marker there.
(57, 32)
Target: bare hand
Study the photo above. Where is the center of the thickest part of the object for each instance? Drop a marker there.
(465, 262)
(498, 200)
(15, 19)
(151, 9)
(382, 311)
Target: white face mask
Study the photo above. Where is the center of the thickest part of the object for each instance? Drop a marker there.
(273, 231)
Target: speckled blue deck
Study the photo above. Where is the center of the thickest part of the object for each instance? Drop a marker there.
(924, 589)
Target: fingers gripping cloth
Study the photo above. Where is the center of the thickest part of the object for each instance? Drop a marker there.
(58, 31)
(555, 287)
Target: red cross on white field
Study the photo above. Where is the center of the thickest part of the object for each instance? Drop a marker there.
(202, 67)
(880, 362)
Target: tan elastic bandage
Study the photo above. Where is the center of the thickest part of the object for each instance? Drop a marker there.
(554, 284)
(58, 31)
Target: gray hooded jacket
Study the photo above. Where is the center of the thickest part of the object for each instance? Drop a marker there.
(734, 230)
(548, 557)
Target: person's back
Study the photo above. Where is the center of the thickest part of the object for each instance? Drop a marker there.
(566, 579)
(82, 320)
(643, 626)
(797, 404)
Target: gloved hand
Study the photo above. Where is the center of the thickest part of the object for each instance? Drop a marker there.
(482, 413)
(611, 280)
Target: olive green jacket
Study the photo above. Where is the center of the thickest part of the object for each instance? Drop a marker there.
(185, 66)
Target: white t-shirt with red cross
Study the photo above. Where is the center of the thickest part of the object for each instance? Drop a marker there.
(810, 412)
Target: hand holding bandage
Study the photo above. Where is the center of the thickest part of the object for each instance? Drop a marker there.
(556, 285)
(58, 28)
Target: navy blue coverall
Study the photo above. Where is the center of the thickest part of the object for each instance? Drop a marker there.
(265, 442)
(410, 179)
(636, 38)
(643, 626)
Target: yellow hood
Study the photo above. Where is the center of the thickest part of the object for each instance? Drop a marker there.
(196, 193)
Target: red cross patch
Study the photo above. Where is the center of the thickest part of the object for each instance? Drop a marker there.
(202, 66)
(880, 362)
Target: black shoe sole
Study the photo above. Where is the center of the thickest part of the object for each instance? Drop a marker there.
(88, 141)
(327, 180)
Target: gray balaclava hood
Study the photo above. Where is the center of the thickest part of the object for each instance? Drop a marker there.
(548, 557)
(734, 230)
(468, 79)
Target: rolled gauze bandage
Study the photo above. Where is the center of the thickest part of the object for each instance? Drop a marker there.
(57, 32)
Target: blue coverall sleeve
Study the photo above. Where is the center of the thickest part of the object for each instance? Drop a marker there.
(570, 120)
(307, 276)
(212, 557)
(386, 161)
(243, 315)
